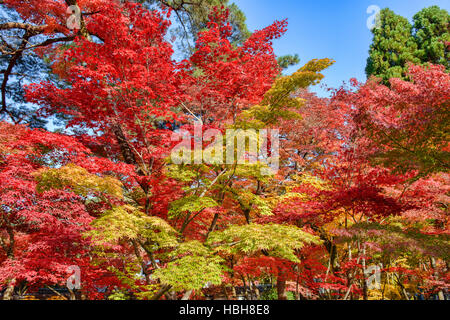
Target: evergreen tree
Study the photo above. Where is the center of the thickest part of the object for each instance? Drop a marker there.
(392, 48)
(288, 61)
(396, 42)
(432, 35)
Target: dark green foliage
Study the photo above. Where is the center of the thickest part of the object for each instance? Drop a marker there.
(392, 47)
(396, 42)
(273, 295)
(432, 35)
(288, 61)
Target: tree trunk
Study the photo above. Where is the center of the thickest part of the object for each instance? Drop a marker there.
(331, 248)
(365, 289)
(281, 287)
(72, 295)
(187, 295)
(9, 292)
(436, 275)
(161, 292)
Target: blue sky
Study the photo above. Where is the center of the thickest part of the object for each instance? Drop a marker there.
(335, 29)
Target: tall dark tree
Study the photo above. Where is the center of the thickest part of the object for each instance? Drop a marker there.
(392, 47)
(397, 42)
(432, 35)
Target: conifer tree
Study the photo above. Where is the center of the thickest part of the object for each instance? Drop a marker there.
(432, 35)
(392, 47)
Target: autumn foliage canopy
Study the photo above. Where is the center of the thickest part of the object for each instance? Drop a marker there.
(362, 181)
